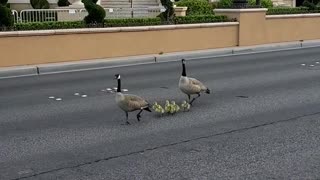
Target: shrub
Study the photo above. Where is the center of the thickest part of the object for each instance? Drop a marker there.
(96, 13)
(213, 5)
(3, 2)
(39, 4)
(309, 5)
(264, 3)
(49, 25)
(62, 3)
(225, 3)
(297, 10)
(168, 14)
(120, 22)
(200, 19)
(133, 22)
(196, 7)
(6, 18)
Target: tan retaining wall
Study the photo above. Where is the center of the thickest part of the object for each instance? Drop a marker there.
(281, 28)
(253, 28)
(37, 47)
(257, 28)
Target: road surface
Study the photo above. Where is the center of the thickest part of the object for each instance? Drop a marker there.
(261, 121)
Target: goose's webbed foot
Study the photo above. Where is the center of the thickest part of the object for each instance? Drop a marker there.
(194, 99)
(138, 115)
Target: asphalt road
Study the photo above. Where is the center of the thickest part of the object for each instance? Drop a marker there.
(260, 122)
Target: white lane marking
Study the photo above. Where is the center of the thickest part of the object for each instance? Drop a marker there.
(317, 62)
(59, 99)
(51, 97)
(84, 95)
(109, 89)
(125, 90)
(27, 171)
(76, 94)
(303, 64)
(311, 65)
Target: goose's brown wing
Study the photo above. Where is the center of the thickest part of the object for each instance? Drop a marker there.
(135, 102)
(196, 82)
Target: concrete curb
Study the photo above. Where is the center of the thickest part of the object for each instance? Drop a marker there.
(18, 71)
(235, 51)
(93, 64)
(152, 58)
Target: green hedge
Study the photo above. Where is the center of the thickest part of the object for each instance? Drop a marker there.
(132, 22)
(224, 3)
(48, 25)
(297, 10)
(196, 7)
(200, 19)
(264, 3)
(119, 22)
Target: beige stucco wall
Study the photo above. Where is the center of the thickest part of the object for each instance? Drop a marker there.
(257, 28)
(38, 47)
(65, 45)
(281, 28)
(252, 24)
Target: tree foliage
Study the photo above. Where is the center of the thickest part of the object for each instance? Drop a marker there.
(96, 13)
(6, 17)
(168, 14)
(39, 4)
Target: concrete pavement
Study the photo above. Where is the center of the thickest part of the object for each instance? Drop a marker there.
(260, 122)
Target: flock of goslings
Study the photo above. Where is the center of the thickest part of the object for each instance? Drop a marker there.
(129, 102)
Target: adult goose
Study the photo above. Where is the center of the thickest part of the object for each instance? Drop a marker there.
(191, 86)
(130, 102)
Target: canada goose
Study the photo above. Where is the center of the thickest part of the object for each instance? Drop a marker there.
(129, 102)
(190, 85)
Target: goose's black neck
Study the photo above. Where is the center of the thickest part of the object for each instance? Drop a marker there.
(119, 85)
(184, 70)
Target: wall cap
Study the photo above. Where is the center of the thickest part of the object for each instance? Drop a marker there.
(292, 16)
(242, 10)
(113, 29)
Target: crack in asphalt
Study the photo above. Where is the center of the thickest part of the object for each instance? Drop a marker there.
(168, 145)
